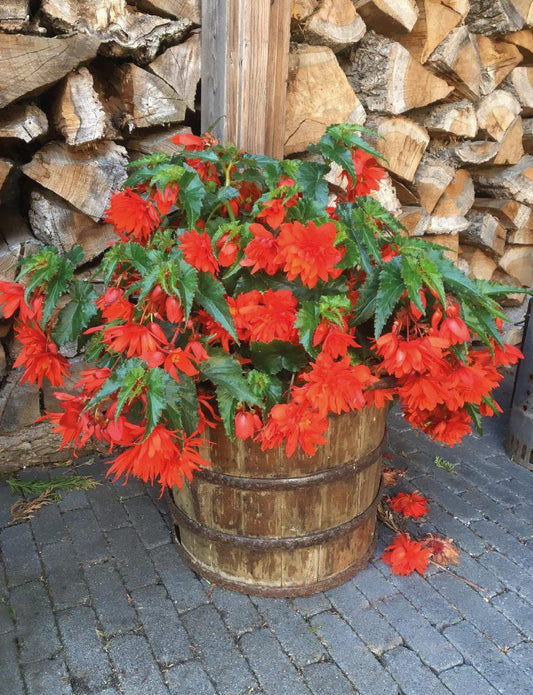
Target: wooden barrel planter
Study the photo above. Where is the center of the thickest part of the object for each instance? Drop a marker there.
(261, 523)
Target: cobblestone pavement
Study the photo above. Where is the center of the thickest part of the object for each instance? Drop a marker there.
(95, 600)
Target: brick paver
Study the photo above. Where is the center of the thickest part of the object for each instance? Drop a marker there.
(94, 599)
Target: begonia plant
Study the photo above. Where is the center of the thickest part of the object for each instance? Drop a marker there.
(254, 294)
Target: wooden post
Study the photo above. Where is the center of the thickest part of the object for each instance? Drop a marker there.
(245, 57)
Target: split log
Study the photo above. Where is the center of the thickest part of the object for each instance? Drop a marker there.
(523, 40)
(475, 153)
(458, 197)
(302, 10)
(457, 118)
(496, 16)
(433, 177)
(93, 15)
(509, 182)
(518, 262)
(485, 232)
(444, 225)
(175, 9)
(510, 300)
(147, 99)
(78, 112)
(387, 15)
(318, 94)
(527, 137)
(480, 265)
(5, 167)
(55, 222)
(387, 79)
(335, 24)
(449, 242)
(141, 36)
(29, 64)
(520, 83)
(520, 237)
(457, 59)
(180, 67)
(511, 147)
(498, 59)
(85, 179)
(402, 143)
(496, 112)
(139, 145)
(23, 123)
(14, 15)
(509, 213)
(16, 241)
(436, 19)
(415, 220)
(407, 195)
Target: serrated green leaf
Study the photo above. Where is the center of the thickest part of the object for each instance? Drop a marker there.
(227, 408)
(132, 366)
(223, 370)
(276, 356)
(74, 318)
(390, 290)
(365, 307)
(473, 411)
(413, 281)
(495, 290)
(431, 275)
(210, 295)
(307, 320)
(191, 195)
(311, 180)
(154, 380)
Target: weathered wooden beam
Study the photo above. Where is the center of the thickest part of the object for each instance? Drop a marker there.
(245, 53)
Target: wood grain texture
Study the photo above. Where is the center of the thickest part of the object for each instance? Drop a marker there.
(23, 123)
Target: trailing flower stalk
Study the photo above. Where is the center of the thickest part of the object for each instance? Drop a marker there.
(251, 292)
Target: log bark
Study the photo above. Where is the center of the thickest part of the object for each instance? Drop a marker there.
(498, 59)
(387, 79)
(510, 182)
(479, 264)
(78, 112)
(85, 179)
(457, 59)
(55, 222)
(174, 9)
(518, 262)
(402, 143)
(92, 15)
(520, 84)
(180, 67)
(335, 24)
(318, 94)
(387, 15)
(495, 16)
(147, 99)
(457, 118)
(520, 237)
(29, 64)
(496, 113)
(160, 141)
(23, 123)
(475, 153)
(527, 137)
(16, 241)
(484, 232)
(415, 220)
(433, 176)
(509, 213)
(14, 15)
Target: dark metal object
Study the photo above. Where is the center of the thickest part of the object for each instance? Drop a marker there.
(519, 443)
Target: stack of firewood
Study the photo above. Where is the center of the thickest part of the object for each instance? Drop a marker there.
(448, 86)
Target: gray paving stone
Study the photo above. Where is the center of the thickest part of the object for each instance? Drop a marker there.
(503, 495)
(107, 507)
(48, 526)
(419, 634)
(412, 675)
(137, 670)
(132, 559)
(504, 542)
(452, 503)
(110, 599)
(293, 632)
(147, 521)
(10, 676)
(463, 536)
(49, 676)
(352, 656)
(189, 677)
(274, 671)
(312, 605)
(485, 657)
(465, 679)
(132, 488)
(6, 500)
(372, 628)
(86, 658)
(327, 679)
(162, 625)
(180, 581)
(76, 499)
(425, 599)
(224, 663)
(516, 610)
(6, 621)
(524, 512)
(513, 576)
(373, 584)
(477, 610)
(515, 488)
(19, 553)
(472, 570)
(89, 542)
(35, 625)
(522, 655)
(237, 610)
(65, 582)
